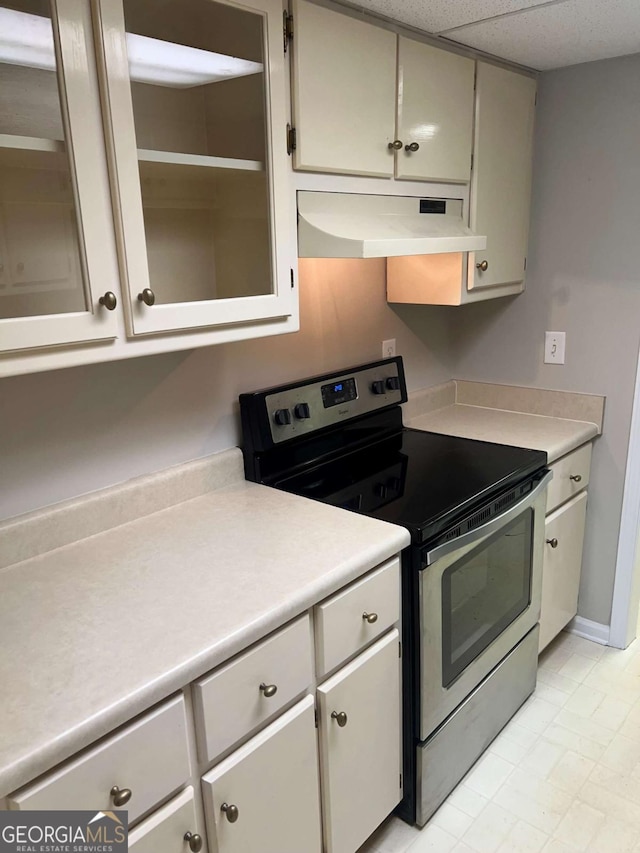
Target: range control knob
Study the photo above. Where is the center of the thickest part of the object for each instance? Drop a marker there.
(377, 387)
(282, 417)
(393, 383)
(302, 412)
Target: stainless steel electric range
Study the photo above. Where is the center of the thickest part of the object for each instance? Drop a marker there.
(471, 578)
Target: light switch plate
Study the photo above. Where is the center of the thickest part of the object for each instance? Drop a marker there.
(554, 346)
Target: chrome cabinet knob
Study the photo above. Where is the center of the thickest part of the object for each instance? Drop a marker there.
(340, 717)
(370, 617)
(396, 145)
(108, 300)
(483, 266)
(412, 147)
(194, 841)
(147, 296)
(231, 812)
(577, 478)
(120, 796)
(553, 542)
(268, 690)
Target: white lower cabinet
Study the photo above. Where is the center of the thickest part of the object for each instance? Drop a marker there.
(171, 829)
(266, 793)
(359, 723)
(564, 534)
(264, 797)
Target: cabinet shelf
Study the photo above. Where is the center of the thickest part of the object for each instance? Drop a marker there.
(198, 161)
(38, 153)
(32, 152)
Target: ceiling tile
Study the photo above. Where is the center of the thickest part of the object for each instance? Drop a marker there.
(554, 36)
(434, 16)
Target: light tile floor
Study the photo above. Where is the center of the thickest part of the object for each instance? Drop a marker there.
(564, 775)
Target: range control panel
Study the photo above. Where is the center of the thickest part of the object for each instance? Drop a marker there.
(294, 410)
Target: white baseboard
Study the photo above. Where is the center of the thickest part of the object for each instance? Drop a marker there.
(595, 631)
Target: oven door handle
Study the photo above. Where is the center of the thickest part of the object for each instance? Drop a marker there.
(491, 526)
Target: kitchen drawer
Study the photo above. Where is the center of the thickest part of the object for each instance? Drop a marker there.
(164, 831)
(340, 623)
(149, 757)
(570, 476)
(232, 701)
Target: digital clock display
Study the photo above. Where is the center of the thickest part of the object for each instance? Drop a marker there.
(339, 392)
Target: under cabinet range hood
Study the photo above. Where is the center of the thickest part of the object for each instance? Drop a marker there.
(353, 225)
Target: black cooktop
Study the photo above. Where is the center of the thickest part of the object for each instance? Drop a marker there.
(422, 480)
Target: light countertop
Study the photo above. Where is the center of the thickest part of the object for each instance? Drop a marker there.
(94, 632)
(557, 436)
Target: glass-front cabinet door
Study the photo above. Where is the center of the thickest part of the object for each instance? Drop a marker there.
(57, 250)
(197, 125)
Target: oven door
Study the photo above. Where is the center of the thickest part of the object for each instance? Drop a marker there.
(479, 595)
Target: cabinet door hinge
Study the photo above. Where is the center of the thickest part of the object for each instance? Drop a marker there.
(472, 162)
(535, 102)
(291, 139)
(399, 650)
(292, 284)
(401, 781)
(287, 28)
(315, 716)
(525, 263)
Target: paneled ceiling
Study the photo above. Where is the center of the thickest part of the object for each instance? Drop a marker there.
(541, 34)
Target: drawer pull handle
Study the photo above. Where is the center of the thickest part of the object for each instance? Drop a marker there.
(370, 617)
(194, 841)
(577, 478)
(483, 266)
(231, 812)
(268, 690)
(340, 717)
(120, 796)
(396, 145)
(412, 147)
(553, 542)
(147, 296)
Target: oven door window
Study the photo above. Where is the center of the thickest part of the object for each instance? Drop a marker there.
(483, 593)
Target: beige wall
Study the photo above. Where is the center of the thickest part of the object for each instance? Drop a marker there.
(584, 278)
(69, 432)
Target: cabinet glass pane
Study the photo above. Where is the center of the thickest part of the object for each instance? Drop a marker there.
(41, 270)
(198, 92)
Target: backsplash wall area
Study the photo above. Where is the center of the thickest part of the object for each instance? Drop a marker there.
(69, 432)
(582, 278)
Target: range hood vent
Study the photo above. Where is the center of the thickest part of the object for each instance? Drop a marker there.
(350, 225)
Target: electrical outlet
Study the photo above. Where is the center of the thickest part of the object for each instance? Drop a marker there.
(389, 348)
(554, 346)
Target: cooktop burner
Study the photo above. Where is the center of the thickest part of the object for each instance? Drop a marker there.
(419, 479)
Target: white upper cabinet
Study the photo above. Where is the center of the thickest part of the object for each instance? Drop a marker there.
(145, 201)
(195, 95)
(501, 181)
(57, 253)
(435, 113)
(375, 104)
(344, 93)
